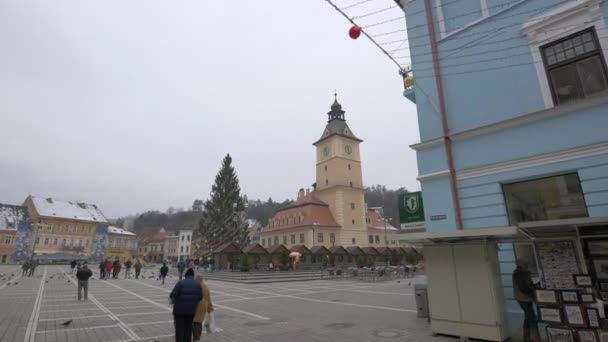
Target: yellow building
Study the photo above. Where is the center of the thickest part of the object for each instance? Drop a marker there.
(63, 227)
(120, 244)
(335, 212)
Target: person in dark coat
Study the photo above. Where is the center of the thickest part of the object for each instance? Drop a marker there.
(25, 268)
(72, 266)
(181, 267)
(33, 265)
(163, 272)
(83, 275)
(523, 292)
(128, 265)
(185, 297)
(102, 269)
(116, 271)
(137, 268)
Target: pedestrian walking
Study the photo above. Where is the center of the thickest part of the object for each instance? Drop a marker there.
(204, 307)
(83, 275)
(137, 268)
(163, 272)
(181, 267)
(72, 267)
(32, 266)
(25, 268)
(109, 267)
(523, 292)
(102, 270)
(116, 269)
(128, 269)
(185, 297)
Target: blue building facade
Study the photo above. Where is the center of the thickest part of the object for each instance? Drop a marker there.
(518, 90)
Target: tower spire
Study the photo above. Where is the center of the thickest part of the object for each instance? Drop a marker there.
(336, 112)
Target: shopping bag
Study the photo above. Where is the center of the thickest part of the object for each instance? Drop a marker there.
(210, 326)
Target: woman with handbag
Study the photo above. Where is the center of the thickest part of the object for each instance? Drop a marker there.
(203, 308)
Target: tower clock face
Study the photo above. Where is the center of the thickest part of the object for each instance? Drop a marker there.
(348, 149)
(326, 151)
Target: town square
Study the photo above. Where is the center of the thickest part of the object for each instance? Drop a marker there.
(319, 170)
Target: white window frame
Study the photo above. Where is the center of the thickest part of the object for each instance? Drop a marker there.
(543, 29)
(485, 12)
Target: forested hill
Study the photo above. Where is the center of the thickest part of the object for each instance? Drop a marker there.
(262, 211)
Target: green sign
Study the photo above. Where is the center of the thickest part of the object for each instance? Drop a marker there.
(410, 207)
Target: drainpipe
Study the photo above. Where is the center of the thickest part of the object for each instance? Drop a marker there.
(444, 118)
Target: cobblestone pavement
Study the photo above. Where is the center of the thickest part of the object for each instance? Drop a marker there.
(33, 309)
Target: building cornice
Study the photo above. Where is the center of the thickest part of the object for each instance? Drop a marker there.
(428, 176)
(536, 24)
(518, 121)
(535, 161)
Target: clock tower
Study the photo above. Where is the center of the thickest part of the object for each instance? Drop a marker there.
(339, 179)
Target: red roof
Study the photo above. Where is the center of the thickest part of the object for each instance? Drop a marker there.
(377, 221)
(306, 211)
(153, 235)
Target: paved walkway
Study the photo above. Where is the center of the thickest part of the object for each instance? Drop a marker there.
(33, 309)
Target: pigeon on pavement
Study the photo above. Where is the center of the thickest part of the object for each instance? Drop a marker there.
(66, 323)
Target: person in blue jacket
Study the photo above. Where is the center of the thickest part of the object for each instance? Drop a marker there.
(185, 297)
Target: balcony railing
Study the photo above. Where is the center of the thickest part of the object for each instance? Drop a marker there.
(121, 248)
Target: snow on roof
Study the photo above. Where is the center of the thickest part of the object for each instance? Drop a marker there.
(119, 231)
(50, 207)
(11, 215)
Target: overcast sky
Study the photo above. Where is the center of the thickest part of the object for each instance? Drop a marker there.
(133, 104)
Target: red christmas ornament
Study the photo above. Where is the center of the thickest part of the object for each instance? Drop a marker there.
(354, 32)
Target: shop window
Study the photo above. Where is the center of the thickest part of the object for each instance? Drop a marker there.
(293, 238)
(551, 198)
(371, 239)
(575, 67)
(320, 237)
(301, 238)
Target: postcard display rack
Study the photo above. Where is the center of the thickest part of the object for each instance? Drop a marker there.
(567, 301)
